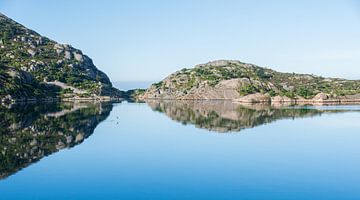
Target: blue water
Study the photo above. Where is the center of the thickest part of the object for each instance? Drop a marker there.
(136, 153)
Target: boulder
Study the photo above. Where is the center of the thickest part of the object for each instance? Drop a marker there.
(79, 137)
(321, 97)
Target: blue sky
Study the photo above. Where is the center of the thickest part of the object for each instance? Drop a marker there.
(147, 40)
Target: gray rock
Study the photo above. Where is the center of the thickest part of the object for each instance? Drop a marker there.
(78, 57)
(67, 55)
(60, 145)
(58, 48)
(25, 77)
(254, 98)
(31, 52)
(69, 139)
(79, 137)
(321, 96)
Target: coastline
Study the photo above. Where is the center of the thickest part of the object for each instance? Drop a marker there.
(59, 99)
(251, 99)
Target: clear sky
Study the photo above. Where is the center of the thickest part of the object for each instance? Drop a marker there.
(147, 40)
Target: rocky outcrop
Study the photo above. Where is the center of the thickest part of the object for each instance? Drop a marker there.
(243, 82)
(25, 53)
(255, 98)
(321, 97)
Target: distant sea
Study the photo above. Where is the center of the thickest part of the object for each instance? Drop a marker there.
(128, 85)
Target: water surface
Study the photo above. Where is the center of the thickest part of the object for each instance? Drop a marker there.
(179, 150)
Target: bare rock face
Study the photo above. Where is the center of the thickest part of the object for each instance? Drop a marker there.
(254, 98)
(321, 97)
(78, 57)
(281, 99)
(226, 89)
(58, 48)
(232, 83)
(67, 55)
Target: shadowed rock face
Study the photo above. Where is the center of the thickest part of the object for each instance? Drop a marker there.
(226, 116)
(30, 132)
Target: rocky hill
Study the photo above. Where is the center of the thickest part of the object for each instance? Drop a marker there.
(35, 67)
(228, 79)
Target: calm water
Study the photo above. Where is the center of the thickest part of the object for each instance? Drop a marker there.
(179, 150)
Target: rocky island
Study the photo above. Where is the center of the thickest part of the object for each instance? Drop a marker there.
(33, 67)
(243, 82)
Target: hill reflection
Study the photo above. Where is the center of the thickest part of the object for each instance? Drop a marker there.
(30, 132)
(226, 116)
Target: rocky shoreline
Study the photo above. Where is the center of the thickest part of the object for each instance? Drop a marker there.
(264, 98)
(8, 101)
(319, 98)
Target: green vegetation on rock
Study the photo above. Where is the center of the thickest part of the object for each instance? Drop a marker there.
(227, 79)
(45, 64)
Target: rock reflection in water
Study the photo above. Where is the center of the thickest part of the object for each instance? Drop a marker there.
(226, 116)
(30, 132)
